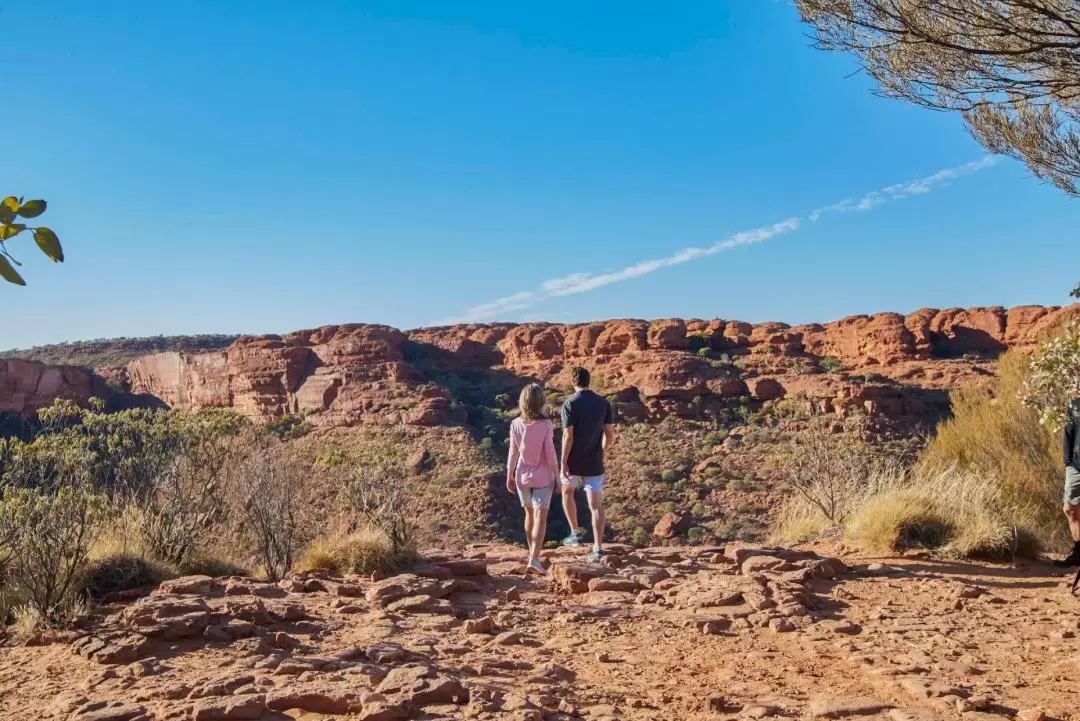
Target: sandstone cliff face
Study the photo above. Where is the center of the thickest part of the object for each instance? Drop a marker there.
(26, 386)
(349, 374)
(346, 374)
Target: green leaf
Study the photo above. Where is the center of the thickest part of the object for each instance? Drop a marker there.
(7, 215)
(11, 203)
(10, 231)
(8, 273)
(49, 244)
(32, 208)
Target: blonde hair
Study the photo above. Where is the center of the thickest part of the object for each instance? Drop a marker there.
(531, 402)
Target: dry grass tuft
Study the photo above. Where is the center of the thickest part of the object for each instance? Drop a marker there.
(110, 574)
(367, 550)
(798, 521)
(956, 512)
(28, 621)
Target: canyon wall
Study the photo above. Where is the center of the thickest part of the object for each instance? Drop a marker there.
(349, 374)
(26, 386)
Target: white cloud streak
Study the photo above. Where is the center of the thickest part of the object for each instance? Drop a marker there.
(902, 190)
(584, 282)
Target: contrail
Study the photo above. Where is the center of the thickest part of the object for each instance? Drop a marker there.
(575, 283)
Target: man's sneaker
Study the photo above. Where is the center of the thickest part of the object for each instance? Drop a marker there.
(595, 555)
(537, 567)
(572, 540)
(1070, 561)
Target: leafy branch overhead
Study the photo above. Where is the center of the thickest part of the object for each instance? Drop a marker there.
(1011, 68)
(13, 209)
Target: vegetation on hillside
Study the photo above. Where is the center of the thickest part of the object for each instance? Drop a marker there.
(987, 484)
(117, 352)
(98, 502)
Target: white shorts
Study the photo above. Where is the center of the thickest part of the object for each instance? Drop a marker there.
(537, 498)
(592, 484)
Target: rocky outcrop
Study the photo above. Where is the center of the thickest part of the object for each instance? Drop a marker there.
(26, 386)
(349, 374)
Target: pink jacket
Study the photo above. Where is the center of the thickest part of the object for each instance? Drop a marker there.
(532, 453)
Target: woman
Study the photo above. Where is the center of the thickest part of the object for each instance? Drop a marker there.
(532, 468)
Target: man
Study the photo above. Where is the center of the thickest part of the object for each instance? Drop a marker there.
(587, 432)
(1071, 452)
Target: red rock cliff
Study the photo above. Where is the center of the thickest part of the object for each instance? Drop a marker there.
(26, 386)
(349, 374)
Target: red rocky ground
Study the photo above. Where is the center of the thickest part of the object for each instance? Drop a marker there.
(661, 633)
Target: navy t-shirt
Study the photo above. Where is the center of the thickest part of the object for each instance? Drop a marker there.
(587, 413)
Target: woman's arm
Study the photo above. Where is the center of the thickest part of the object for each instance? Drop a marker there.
(512, 460)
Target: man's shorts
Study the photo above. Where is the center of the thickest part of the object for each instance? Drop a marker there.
(592, 484)
(1072, 486)
(537, 498)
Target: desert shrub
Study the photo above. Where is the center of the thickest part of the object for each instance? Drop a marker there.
(696, 535)
(49, 534)
(669, 476)
(715, 438)
(1052, 380)
(725, 530)
(206, 564)
(486, 444)
(266, 486)
(377, 493)
(996, 437)
(699, 510)
(288, 427)
(829, 470)
(957, 512)
(668, 507)
(699, 342)
(797, 520)
(366, 550)
(640, 536)
(103, 576)
(167, 464)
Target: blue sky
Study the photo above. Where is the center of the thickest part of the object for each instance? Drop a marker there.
(229, 166)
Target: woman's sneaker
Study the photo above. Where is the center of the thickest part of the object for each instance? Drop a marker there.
(595, 555)
(537, 567)
(574, 539)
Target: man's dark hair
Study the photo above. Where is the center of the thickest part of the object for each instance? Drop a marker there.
(579, 377)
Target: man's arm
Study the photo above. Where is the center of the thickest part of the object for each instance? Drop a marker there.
(1069, 438)
(609, 427)
(567, 444)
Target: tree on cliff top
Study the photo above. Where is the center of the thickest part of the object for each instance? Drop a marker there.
(12, 209)
(1010, 67)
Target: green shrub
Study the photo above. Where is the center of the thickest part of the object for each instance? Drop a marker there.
(699, 343)
(669, 476)
(640, 536)
(699, 510)
(696, 535)
(829, 364)
(669, 507)
(48, 535)
(486, 443)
